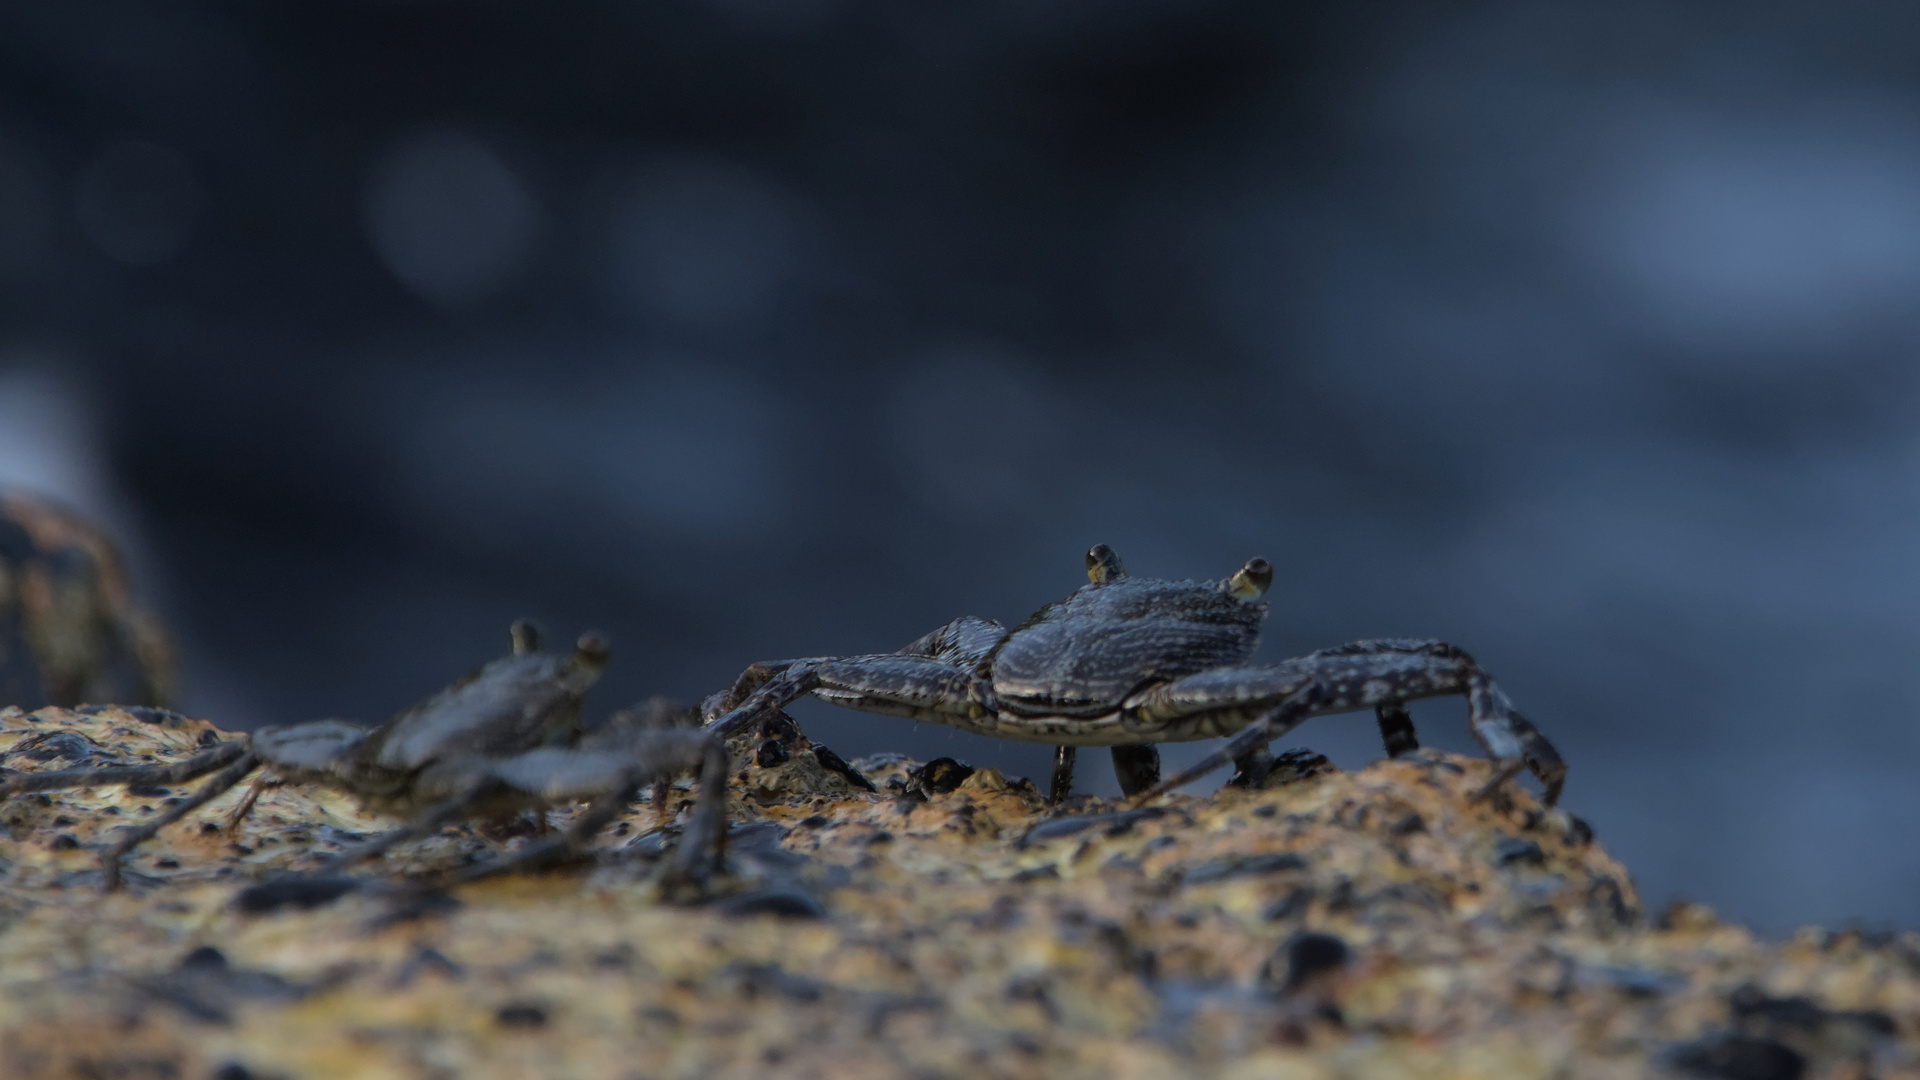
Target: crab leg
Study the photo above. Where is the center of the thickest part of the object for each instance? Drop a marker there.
(1276, 722)
(1396, 729)
(891, 683)
(763, 690)
(1137, 767)
(1265, 703)
(605, 806)
(966, 642)
(702, 845)
(428, 822)
(240, 812)
(1063, 757)
(180, 772)
(896, 682)
(132, 838)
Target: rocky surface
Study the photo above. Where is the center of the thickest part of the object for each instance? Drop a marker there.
(1371, 924)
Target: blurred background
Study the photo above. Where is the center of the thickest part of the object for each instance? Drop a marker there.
(1581, 334)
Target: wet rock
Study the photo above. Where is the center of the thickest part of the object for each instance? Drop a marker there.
(770, 754)
(1112, 824)
(207, 988)
(521, 1015)
(1299, 929)
(427, 960)
(1737, 1057)
(302, 893)
(786, 902)
(1261, 769)
(939, 776)
(1242, 866)
(1518, 851)
(1304, 958)
(1291, 906)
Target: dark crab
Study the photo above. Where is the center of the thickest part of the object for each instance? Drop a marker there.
(500, 741)
(1126, 662)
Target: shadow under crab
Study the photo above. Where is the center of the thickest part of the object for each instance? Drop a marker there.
(1128, 662)
(501, 741)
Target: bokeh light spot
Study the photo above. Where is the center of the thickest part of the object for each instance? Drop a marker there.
(451, 221)
(1786, 238)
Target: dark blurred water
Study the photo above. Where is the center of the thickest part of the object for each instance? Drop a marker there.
(1581, 334)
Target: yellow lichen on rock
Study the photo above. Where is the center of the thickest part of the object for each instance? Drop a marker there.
(1373, 924)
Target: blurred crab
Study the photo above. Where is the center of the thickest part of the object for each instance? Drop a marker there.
(500, 741)
(70, 630)
(1126, 662)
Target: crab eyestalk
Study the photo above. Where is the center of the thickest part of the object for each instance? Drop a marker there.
(1250, 582)
(589, 658)
(525, 636)
(1103, 565)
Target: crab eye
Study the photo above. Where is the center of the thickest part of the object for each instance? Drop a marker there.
(592, 649)
(525, 635)
(1250, 582)
(1103, 565)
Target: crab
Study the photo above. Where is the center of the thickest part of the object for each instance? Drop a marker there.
(1128, 662)
(70, 629)
(504, 739)
(646, 745)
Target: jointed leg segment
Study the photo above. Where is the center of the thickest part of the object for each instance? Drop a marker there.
(425, 824)
(1137, 767)
(133, 837)
(1062, 783)
(240, 812)
(760, 692)
(702, 844)
(179, 772)
(1396, 729)
(1384, 674)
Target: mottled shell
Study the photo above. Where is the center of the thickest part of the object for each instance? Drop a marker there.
(1084, 655)
(508, 706)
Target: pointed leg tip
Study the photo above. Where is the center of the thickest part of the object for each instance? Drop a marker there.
(1164, 787)
(1553, 777)
(681, 885)
(1503, 772)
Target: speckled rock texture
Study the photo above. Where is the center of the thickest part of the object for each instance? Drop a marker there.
(1374, 924)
